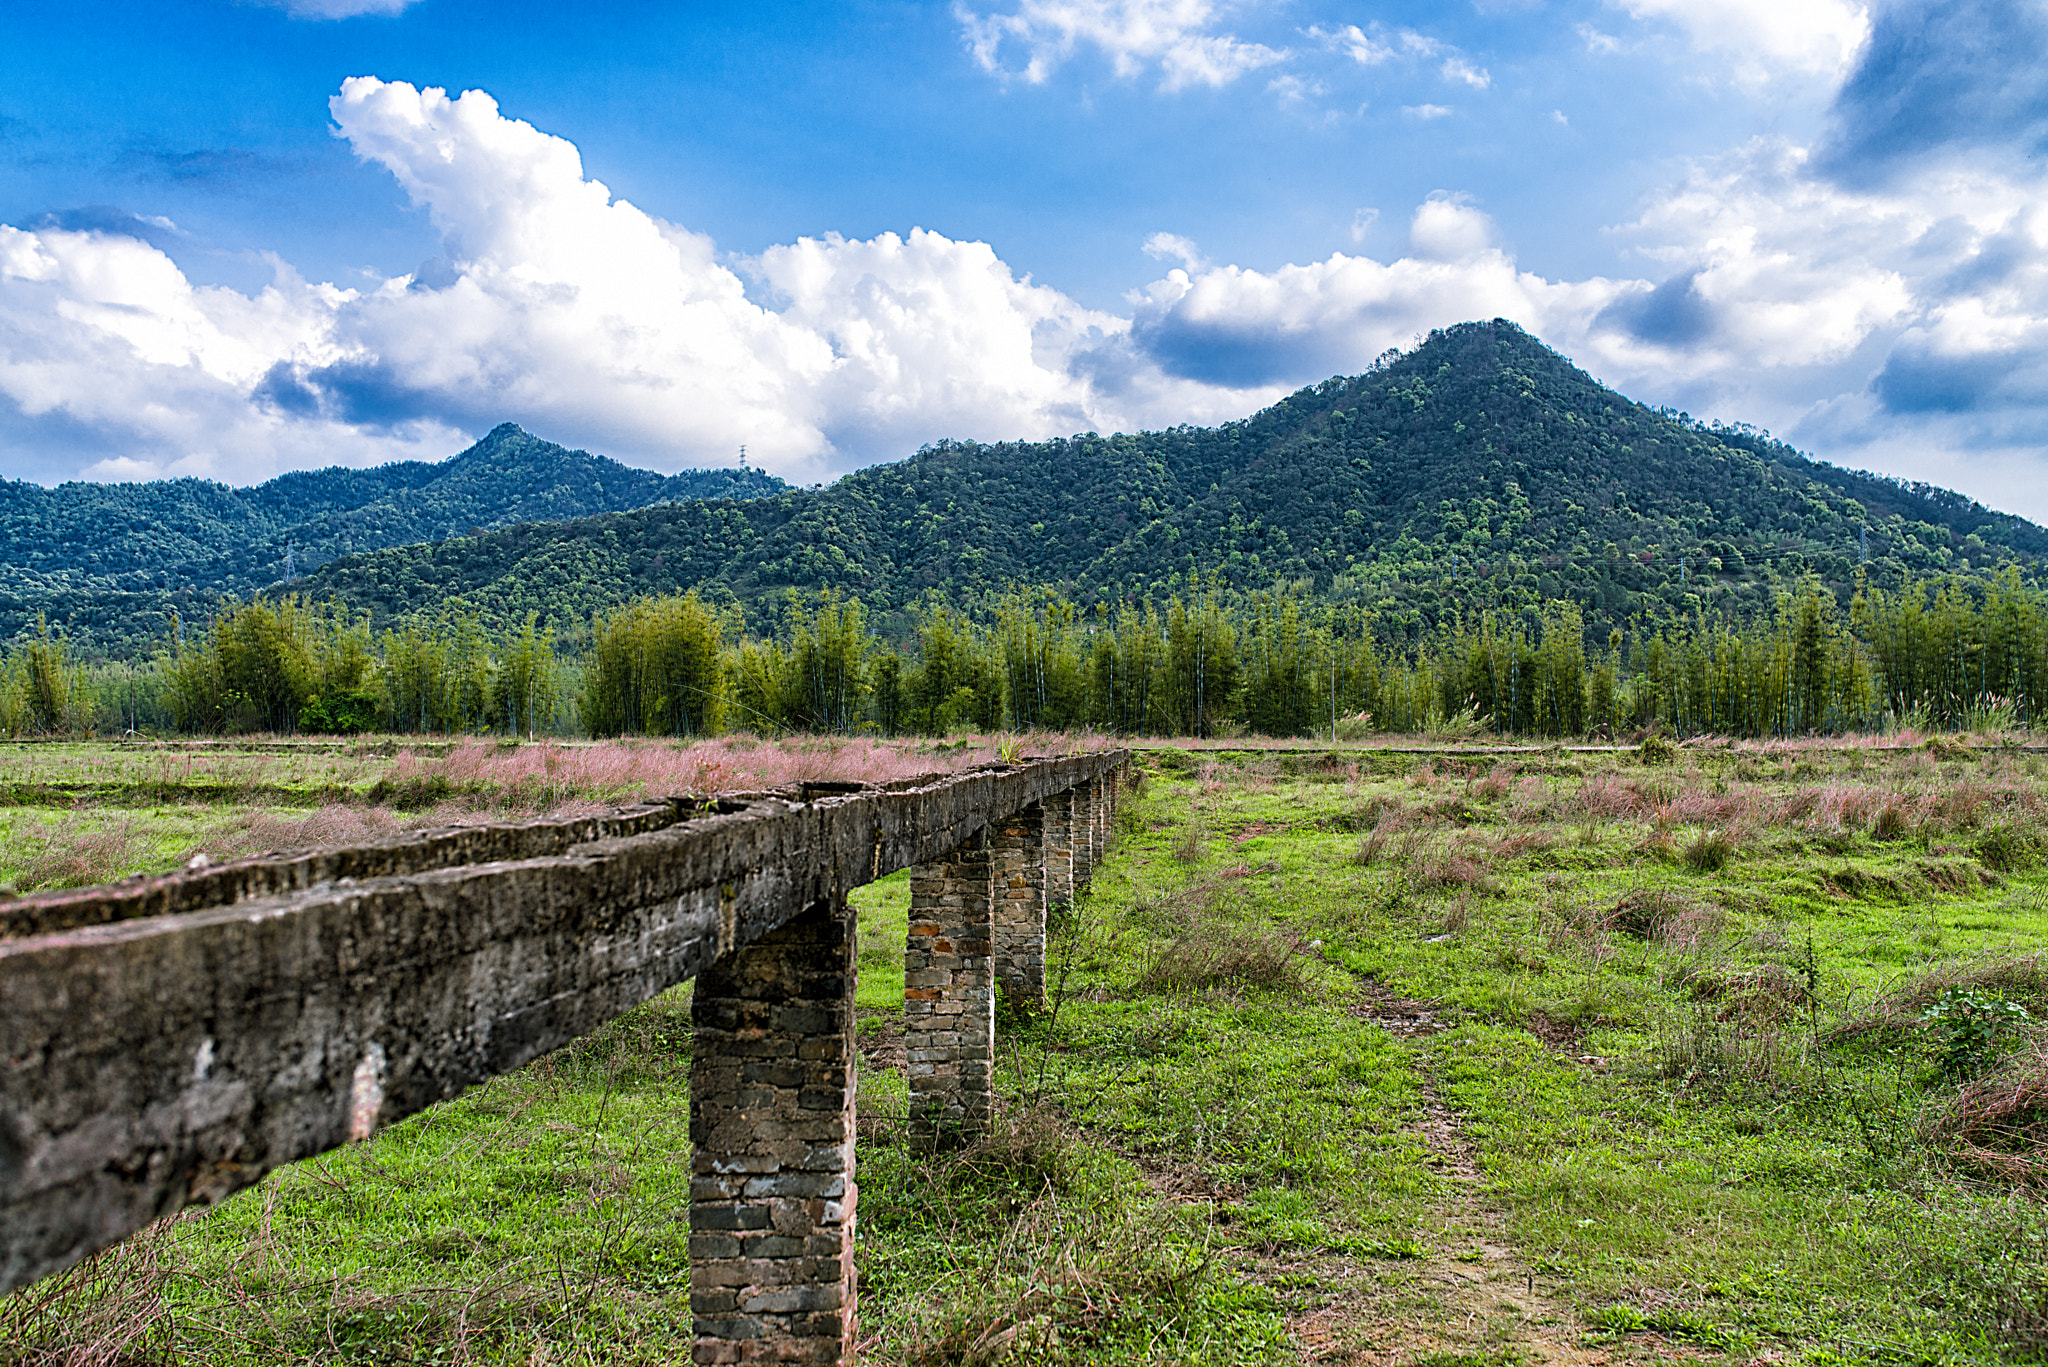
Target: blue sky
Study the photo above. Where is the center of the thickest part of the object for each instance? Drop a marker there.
(241, 238)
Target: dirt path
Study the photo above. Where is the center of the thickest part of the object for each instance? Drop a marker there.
(1471, 1301)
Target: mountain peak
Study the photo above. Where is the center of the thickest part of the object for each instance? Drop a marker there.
(1480, 470)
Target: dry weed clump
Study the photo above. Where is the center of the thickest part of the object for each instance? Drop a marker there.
(1698, 807)
(1454, 810)
(1063, 1288)
(1665, 916)
(1958, 808)
(1371, 814)
(1388, 826)
(1495, 785)
(1209, 956)
(279, 832)
(1530, 802)
(1997, 1126)
(1608, 797)
(1029, 1147)
(1192, 844)
(1526, 845)
(1569, 923)
(101, 1312)
(1761, 992)
(1208, 952)
(1371, 849)
(77, 858)
(1733, 1053)
(2011, 843)
(1457, 869)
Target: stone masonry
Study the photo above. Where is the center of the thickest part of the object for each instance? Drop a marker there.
(1098, 833)
(772, 1193)
(1019, 850)
(1082, 800)
(1059, 851)
(949, 1021)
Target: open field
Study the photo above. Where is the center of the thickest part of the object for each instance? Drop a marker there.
(1715, 1053)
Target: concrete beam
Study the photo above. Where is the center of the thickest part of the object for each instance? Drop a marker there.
(167, 1042)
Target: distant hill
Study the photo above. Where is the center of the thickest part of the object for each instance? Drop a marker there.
(1480, 469)
(111, 561)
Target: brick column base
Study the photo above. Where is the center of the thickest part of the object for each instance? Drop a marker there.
(772, 1193)
(1059, 852)
(1018, 849)
(1084, 797)
(1100, 797)
(949, 1023)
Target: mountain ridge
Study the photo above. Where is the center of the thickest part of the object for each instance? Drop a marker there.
(1481, 469)
(93, 557)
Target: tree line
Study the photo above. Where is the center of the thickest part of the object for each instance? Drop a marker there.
(1934, 654)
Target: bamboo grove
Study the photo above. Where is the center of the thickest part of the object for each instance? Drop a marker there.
(1948, 654)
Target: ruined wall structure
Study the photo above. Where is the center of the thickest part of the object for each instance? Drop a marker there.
(168, 1041)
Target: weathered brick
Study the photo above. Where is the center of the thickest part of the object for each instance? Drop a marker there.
(771, 1115)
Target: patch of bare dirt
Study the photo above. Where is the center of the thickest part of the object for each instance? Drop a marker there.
(1472, 1297)
(880, 1042)
(1399, 1016)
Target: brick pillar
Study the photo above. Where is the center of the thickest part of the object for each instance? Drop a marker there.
(771, 1121)
(1105, 804)
(1113, 796)
(1083, 795)
(949, 1019)
(1059, 851)
(1018, 850)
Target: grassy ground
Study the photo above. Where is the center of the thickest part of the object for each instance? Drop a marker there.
(1732, 1055)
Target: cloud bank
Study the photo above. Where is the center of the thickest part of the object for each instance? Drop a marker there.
(1872, 318)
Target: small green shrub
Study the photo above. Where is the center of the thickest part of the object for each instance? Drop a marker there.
(1656, 749)
(1709, 851)
(2009, 845)
(1975, 1028)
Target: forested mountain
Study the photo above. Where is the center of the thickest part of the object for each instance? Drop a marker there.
(111, 561)
(1480, 469)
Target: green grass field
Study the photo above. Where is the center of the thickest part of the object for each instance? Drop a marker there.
(1737, 1054)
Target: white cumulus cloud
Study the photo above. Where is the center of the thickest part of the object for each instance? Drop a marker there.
(563, 308)
(1767, 37)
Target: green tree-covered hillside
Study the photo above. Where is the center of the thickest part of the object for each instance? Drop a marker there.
(110, 562)
(1481, 469)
